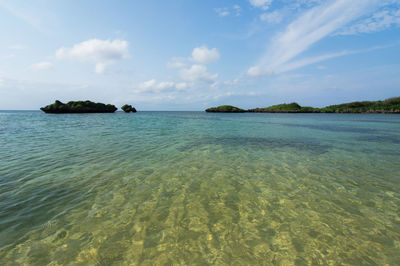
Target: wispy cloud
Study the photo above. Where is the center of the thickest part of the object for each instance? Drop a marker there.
(177, 62)
(222, 12)
(235, 10)
(380, 20)
(17, 47)
(316, 59)
(23, 15)
(309, 28)
(41, 66)
(263, 4)
(274, 17)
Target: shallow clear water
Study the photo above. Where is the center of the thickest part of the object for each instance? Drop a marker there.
(199, 188)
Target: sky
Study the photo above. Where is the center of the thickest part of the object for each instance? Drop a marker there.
(193, 54)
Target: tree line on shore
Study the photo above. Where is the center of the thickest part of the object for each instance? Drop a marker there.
(390, 106)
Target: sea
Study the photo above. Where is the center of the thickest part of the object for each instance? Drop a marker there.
(197, 188)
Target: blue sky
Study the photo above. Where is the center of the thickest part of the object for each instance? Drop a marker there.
(189, 55)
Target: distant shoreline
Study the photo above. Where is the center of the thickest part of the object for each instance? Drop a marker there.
(177, 111)
(388, 106)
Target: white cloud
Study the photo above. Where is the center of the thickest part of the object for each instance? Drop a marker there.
(312, 26)
(197, 73)
(190, 74)
(181, 85)
(203, 55)
(147, 85)
(100, 52)
(263, 4)
(176, 62)
(165, 85)
(275, 17)
(222, 12)
(41, 66)
(153, 86)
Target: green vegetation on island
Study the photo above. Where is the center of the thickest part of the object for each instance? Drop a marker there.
(78, 107)
(286, 108)
(388, 106)
(225, 109)
(127, 108)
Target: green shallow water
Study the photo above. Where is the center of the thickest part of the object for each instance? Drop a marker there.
(166, 188)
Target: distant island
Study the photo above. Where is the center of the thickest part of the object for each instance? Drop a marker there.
(388, 106)
(127, 108)
(286, 108)
(78, 107)
(225, 109)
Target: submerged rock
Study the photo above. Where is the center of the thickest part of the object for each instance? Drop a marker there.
(127, 108)
(78, 107)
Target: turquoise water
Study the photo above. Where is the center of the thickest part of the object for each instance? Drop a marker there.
(197, 188)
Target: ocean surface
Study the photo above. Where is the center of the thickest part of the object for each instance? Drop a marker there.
(162, 188)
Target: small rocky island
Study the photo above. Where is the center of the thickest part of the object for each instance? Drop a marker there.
(225, 109)
(78, 107)
(388, 106)
(127, 108)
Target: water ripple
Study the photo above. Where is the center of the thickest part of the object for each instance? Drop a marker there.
(198, 188)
